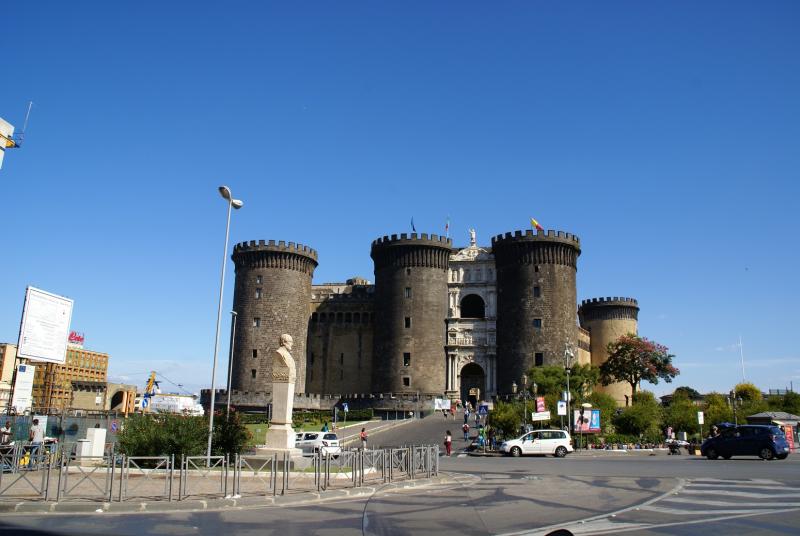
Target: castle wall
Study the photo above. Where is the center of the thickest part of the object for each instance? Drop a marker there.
(410, 283)
(530, 321)
(607, 319)
(271, 297)
(340, 340)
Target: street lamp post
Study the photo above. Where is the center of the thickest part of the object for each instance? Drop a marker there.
(225, 192)
(234, 317)
(569, 355)
(525, 401)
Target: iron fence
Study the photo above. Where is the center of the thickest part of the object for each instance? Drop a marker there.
(30, 472)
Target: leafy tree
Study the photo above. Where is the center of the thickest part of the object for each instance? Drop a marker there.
(230, 435)
(506, 417)
(690, 392)
(717, 409)
(632, 359)
(608, 409)
(681, 414)
(748, 391)
(642, 419)
(790, 403)
(552, 380)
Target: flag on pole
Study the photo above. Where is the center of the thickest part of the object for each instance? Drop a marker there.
(447, 227)
(535, 225)
(414, 229)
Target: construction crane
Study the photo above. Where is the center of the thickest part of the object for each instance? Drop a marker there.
(149, 390)
(7, 138)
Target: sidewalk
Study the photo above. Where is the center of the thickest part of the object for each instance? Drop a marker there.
(133, 506)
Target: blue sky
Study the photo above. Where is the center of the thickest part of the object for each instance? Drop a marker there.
(665, 135)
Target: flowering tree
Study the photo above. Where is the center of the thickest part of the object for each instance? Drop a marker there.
(632, 359)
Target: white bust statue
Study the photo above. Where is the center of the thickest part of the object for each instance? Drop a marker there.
(283, 367)
(472, 239)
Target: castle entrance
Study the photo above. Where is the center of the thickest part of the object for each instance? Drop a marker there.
(473, 383)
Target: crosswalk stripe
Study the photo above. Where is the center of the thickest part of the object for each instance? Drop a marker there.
(748, 494)
(677, 512)
(711, 502)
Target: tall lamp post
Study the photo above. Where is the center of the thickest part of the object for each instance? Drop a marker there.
(225, 192)
(569, 355)
(525, 401)
(234, 317)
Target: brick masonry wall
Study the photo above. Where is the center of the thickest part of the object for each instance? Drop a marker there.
(283, 307)
(522, 264)
(421, 265)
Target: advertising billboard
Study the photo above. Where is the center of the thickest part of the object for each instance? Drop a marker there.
(23, 388)
(589, 423)
(45, 326)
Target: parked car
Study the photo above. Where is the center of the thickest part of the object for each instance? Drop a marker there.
(764, 441)
(555, 442)
(313, 442)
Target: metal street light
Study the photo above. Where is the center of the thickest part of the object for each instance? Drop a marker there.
(569, 355)
(225, 192)
(234, 316)
(525, 401)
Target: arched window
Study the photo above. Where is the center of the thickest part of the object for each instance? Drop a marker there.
(472, 306)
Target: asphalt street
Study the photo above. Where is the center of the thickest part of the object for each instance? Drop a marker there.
(595, 493)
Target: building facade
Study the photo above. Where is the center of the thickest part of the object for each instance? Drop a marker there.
(8, 358)
(459, 322)
(78, 383)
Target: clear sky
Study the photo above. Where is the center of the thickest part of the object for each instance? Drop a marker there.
(664, 134)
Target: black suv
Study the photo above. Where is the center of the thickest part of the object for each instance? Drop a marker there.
(766, 442)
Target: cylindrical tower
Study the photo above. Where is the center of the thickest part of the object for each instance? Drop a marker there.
(410, 313)
(536, 301)
(272, 296)
(607, 319)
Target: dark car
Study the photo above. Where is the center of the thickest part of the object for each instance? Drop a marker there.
(766, 442)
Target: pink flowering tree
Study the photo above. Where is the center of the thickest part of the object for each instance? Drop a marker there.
(632, 359)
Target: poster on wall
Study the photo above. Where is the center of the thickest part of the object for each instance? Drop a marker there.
(45, 324)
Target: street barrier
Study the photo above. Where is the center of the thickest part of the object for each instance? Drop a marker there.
(53, 474)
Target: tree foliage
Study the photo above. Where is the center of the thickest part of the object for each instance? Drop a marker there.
(681, 414)
(642, 419)
(789, 402)
(632, 359)
(552, 380)
(507, 418)
(748, 391)
(690, 392)
(608, 409)
(717, 409)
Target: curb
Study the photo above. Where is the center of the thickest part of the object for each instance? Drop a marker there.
(299, 499)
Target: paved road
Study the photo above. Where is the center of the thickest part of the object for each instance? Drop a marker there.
(589, 494)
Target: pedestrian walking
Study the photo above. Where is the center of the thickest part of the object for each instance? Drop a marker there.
(363, 437)
(466, 414)
(448, 442)
(36, 437)
(465, 428)
(325, 427)
(453, 412)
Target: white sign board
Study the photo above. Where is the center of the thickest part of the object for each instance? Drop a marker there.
(441, 404)
(45, 326)
(562, 407)
(700, 418)
(23, 387)
(540, 416)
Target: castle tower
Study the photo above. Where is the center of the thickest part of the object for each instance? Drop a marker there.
(410, 313)
(607, 319)
(536, 301)
(271, 296)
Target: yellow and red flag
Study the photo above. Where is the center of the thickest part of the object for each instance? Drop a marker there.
(535, 225)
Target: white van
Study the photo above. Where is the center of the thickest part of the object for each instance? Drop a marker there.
(555, 442)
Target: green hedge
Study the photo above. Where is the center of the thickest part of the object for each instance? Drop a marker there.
(301, 416)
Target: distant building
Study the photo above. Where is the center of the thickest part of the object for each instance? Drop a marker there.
(8, 356)
(78, 383)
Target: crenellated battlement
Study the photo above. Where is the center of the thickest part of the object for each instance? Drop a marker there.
(413, 239)
(609, 308)
(412, 250)
(272, 245)
(538, 236)
(534, 248)
(629, 302)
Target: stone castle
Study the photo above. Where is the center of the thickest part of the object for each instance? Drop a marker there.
(438, 321)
